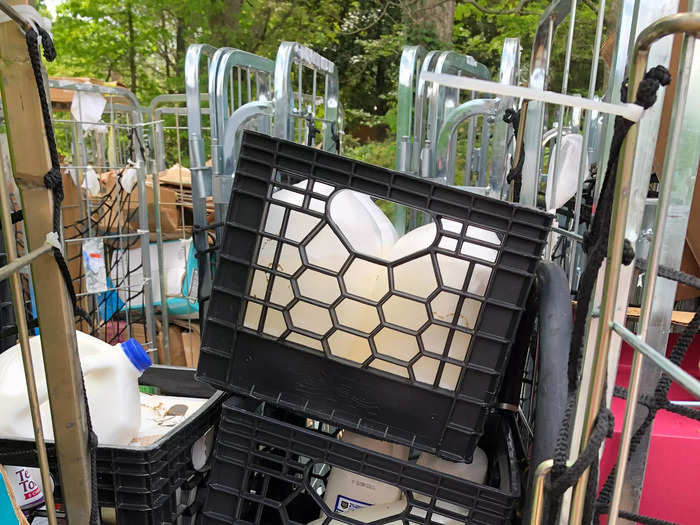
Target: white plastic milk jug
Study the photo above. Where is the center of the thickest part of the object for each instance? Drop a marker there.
(360, 221)
(370, 514)
(27, 486)
(347, 491)
(475, 471)
(111, 382)
(418, 277)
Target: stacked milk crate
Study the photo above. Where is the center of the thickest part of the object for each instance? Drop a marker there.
(371, 364)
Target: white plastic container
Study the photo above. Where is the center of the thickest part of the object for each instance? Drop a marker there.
(567, 183)
(26, 485)
(347, 491)
(418, 277)
(370, 514)
(475, 471)
(356, 217)
(180, 277)
(361, 221)
(111, 382)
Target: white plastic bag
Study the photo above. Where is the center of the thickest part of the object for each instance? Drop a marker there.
(87, 109)
(91, 181)
(567, 182)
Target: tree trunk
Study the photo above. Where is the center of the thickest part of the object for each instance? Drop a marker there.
(435, 15)
(180, 46)
(223, 20)
(166, 50)
(132, 44)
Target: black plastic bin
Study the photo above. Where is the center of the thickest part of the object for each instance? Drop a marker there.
(141, 482)
(297, 370)
(269, 472)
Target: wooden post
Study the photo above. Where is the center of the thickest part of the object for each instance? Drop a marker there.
(30, 158)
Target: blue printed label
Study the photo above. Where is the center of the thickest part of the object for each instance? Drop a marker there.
(344, 504)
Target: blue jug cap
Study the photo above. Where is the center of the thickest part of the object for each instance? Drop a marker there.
(136, 354)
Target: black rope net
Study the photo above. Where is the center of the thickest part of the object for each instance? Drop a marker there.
(110, 219)
(118, 312)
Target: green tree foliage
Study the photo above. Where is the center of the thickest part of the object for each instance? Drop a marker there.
(143, 43)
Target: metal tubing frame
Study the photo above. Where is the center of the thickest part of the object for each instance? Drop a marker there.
(554, 15)
(137, 112)
(631, 22)
(288, 54)
(234, 128)
(409, 69)
(683, 23)
(629, 111)
(442, 100)
(214, 126)
(445, 161)
(509, 74)
(584, 164)
(681, 133)
(627, 23)
(679, 375)
(155, 110)
(419, 115)
(560, 116)
(20, 262)
(16, 17)
(200, 173)
(261, 67)
(412, 58)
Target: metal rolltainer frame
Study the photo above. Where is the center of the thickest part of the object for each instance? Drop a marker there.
(409, 74)
(225, 60)
(509, 73)
(288, 54)
(442, 100)
(673, 191)
(199, 171)
(554, 15)
(632, 20)
(445, 158)
(137, 112)
(263, 70)
(161, 105)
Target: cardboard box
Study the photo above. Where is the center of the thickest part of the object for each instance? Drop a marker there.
(126, 215)
(183, 343)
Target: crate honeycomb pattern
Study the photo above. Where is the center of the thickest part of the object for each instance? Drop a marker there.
(410, 349)
(309, 287)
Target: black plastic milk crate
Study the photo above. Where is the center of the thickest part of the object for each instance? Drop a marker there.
(267, 337)
(269, 472)
(140, 482)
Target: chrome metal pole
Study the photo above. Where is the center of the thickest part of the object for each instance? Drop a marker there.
(541, 472)
(610, 289)
(662, 27)
(159, 153)
(679, 375)
(678, 121)
(560, 117)
(584, 163)
(17, 264)
(14, 15)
